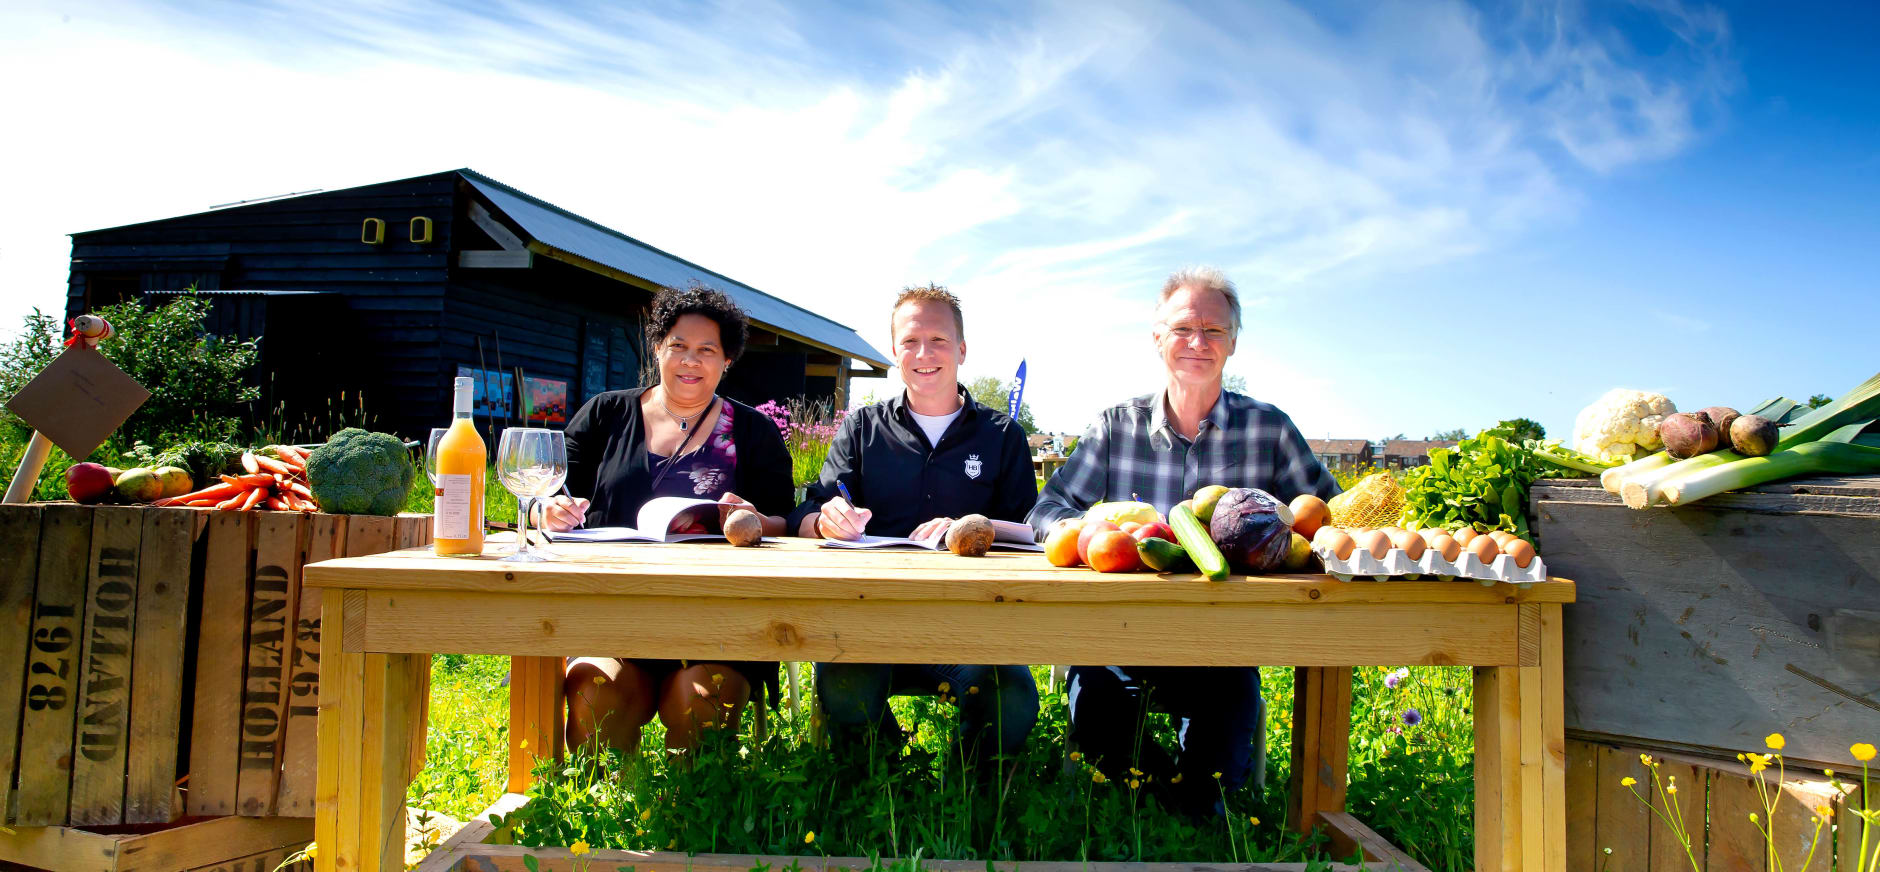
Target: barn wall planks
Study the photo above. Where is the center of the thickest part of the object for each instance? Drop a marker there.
(52, 669)
(99, 747)
(1744, 623)
(19, 556)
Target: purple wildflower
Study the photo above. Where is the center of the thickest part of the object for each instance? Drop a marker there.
(1412, 717)
(1396, 677)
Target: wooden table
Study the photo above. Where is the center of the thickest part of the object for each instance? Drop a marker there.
(795, 601)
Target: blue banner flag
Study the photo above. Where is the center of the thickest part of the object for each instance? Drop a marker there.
(1017, 399)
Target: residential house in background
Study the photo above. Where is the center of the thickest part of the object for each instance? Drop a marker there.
(1343, 453)
(1405, 453)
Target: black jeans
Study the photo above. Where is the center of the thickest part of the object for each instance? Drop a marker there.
(1219, 720)
(995, 719)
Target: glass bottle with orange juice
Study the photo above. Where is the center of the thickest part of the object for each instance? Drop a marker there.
(462, 462)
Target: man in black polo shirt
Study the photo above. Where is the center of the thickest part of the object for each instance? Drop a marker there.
(912, 464)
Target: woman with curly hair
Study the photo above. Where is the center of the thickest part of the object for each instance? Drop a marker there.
(677, 438)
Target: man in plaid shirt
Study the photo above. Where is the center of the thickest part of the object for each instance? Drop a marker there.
(1160, 449)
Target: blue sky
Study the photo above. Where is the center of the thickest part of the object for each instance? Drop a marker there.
(1439, 214)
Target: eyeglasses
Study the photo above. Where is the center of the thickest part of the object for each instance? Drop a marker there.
(1214, 335)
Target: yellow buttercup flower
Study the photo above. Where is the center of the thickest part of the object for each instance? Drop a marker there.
(1627, 781)
(809, 837)
(1862, 751)
(1759, 762)
(1775, 741)
(579, 848)
(313, 850)
(1673, 789)
(1646, 759)
(1217, 776)
(972, 690)
(1097, 778)
(1077, 756)
(1177, 779)
(1134, 771)
(945, 686)
(647, 815)
(1253, 820)
(525, 745)
(600, 680)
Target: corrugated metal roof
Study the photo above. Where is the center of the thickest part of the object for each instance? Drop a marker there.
(565, 231)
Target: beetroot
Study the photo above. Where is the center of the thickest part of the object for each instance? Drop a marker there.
(1687, 435)
(87, 482)
(1252, 529)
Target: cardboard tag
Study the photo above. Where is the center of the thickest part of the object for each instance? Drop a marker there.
(77, 400)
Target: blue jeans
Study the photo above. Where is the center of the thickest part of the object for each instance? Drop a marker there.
(1219, 718)
(996, 719)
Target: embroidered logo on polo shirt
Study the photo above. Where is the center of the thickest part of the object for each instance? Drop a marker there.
(972, 466)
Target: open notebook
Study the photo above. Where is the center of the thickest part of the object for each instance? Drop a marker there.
(1005, 534)
(652, 523)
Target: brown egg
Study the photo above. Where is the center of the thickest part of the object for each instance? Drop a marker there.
(1465, 535)
(1373, 541)
(1484, 548)
(1502, 537)
(1428, 533)
(1409, 543)
(1336, 541)
(1446, 545)
(1520, 551)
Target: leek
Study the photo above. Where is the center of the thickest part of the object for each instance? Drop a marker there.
(1612, 479)
(1554, 453)
(1860, 404)
(1647, 489)
(1812, 458)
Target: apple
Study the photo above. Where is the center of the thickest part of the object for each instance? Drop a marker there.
(1157, 530)
(1090, 531)
(87, 482)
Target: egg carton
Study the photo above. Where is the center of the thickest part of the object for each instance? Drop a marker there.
(1395, 563)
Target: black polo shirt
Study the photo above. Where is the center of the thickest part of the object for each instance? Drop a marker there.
(982, 465)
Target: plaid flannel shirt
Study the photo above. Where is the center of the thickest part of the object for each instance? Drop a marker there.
(1132, 452)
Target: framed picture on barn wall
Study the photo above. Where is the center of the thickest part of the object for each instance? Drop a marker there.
(495, 394)
(548, 400)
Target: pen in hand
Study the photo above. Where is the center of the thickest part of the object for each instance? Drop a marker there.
(844, 489)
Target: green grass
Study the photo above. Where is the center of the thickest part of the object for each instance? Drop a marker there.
(1412, 783)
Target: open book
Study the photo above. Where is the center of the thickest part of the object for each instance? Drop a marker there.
(654, 523)
(1005, 534)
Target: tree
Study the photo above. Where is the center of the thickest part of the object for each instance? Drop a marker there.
(1456, 435)
(1391, 438)
(1236, 383)
(1518, 429)
(1819, 400)
(990, 391)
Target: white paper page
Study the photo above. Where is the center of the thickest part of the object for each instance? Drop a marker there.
(658, 512)
(602, 534)
(868, 541)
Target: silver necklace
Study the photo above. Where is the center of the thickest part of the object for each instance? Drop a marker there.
(683, 422)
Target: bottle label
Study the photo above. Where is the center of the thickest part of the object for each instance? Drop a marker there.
(451, 518)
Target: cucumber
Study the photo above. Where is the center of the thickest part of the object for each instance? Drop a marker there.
(1194, 539)
(1162, 555)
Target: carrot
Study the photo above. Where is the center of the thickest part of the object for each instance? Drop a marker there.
(277, 503)
(218, 491)
(292, 453)
(231, 503)
(298, 488)
(202, 502)
(253, 499)
(270, 465)
(248, 463)
(260, 479)
(301, 505)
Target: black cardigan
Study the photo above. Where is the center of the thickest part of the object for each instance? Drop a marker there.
(607, 459)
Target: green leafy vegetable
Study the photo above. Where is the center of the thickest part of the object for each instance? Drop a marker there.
(1482, 482)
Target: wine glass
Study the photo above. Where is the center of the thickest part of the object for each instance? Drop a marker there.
(430, 453)
(531, 462)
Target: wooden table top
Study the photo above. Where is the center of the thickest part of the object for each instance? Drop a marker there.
(798, 569)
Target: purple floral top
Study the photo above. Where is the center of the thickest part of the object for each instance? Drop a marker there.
(706, 472)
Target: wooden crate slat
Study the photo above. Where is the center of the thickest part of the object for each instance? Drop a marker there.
(326, 539)
(19, 556)
(1624, 824)
(99, 745)
(279, 550)
(53, 666)
(190, 845)
(1667, 853)
(1734, 841)
(215, 732)
(157, 663)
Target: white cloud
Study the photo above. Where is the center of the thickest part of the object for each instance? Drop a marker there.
(1049, 163)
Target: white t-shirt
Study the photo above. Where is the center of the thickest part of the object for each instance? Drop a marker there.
(935, 425)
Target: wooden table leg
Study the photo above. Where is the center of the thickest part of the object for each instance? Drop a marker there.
(367, 702)
(1321, 743)
(535, 716)
(1521, 753)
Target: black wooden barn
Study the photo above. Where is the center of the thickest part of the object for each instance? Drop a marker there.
(380, 295)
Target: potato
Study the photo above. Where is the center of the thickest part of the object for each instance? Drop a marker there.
(970, 536)
(744, 528)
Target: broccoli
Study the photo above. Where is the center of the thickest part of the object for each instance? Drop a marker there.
(361, 473)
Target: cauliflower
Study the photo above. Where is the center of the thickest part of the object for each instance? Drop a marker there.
(1622, 425)
(361, 473)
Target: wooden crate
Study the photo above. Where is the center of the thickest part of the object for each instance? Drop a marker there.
(1608, 827)
(145, 649)
(231, 844)
(1704, 629)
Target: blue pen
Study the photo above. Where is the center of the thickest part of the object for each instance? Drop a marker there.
(845, 491)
